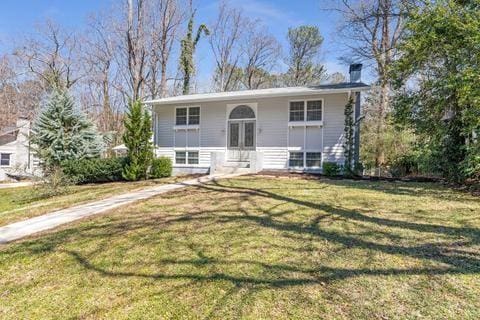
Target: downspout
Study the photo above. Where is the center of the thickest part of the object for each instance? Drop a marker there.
(358, 118)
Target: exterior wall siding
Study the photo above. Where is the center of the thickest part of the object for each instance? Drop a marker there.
(333, 127)
(274, 137)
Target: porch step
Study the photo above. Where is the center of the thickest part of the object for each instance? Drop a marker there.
(227, 170)
(237, 164)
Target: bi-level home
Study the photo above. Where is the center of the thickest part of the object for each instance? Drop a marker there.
(292, 128)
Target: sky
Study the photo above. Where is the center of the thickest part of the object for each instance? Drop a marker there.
(19, 17)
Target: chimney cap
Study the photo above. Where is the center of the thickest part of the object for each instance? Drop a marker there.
(356, 67)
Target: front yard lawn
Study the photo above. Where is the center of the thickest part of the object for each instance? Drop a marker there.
(258, 247)
(21, 203)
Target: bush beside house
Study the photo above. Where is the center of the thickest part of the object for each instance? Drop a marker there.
(161, 168)
(331, 169)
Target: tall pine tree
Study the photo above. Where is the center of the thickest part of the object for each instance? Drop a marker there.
(63, 132)
(137, 139)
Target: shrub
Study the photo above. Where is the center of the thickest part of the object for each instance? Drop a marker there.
(404, 166)
(94, 170)
(161, 167)
(52, 183)
(331, 169)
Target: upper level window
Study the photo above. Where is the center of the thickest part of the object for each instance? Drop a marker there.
(181, 116)
(4, 159)
(297, 111)
(314, 110)
(187, 115)
(306, 110)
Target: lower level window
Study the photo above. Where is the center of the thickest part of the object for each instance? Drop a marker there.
(296, 159)
(4, 159)
(192, 157)
(314, 159)
(186, 157)
(180, 157)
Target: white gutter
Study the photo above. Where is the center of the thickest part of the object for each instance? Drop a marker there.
(252, 94)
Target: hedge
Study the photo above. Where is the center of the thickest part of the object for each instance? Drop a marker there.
(94, 170)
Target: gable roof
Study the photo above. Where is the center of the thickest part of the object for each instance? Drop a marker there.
(263, 93)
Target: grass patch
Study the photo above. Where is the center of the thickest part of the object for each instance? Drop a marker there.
(20, 203)
(258, 247)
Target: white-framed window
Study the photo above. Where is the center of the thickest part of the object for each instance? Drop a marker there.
(305, 159)
(306, 110)
(295, 159)
(5, 159)
(313, 159)
(192, 157)
(297, 111)
(186, 157)
(187, 116)
(180, 157)
(314, 110)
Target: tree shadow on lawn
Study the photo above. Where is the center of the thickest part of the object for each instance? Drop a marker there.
(458, 256)
(403, 188)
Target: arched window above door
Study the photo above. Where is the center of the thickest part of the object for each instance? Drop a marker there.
(242, 112)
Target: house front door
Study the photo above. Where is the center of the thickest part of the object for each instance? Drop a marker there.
(241, 139)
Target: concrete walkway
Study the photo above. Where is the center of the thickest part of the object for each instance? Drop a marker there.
(54, 219)
(15, 184)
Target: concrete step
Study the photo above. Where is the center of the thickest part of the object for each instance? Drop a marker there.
(230, 170)
(237, 164)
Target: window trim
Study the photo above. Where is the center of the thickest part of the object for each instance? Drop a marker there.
(306, 159)
(290, 111)
(175, 156)
(188, 157)
(306, 122)
(9, 160)
(187, 151)
(187, 125)
(304, 152)
(303, 159)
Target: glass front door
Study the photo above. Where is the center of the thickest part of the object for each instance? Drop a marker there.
(241, 139)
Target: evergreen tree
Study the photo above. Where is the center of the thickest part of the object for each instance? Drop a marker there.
(63, 132)
(348, 144)
(188, 45)
(137, 139)
(305, 43)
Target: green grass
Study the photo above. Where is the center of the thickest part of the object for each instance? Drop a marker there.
(258, 248)
(24, 202)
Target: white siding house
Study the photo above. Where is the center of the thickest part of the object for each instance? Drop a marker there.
(16, 156)
(296, 128)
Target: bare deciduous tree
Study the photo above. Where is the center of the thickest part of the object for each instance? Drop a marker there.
(51, 56)
(261, 54)
(18, 97)
(99, 93)
(372, 29)
(166, 22)
(225, 42)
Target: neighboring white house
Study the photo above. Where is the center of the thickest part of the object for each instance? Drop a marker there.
(294, 128)
(16, 156)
